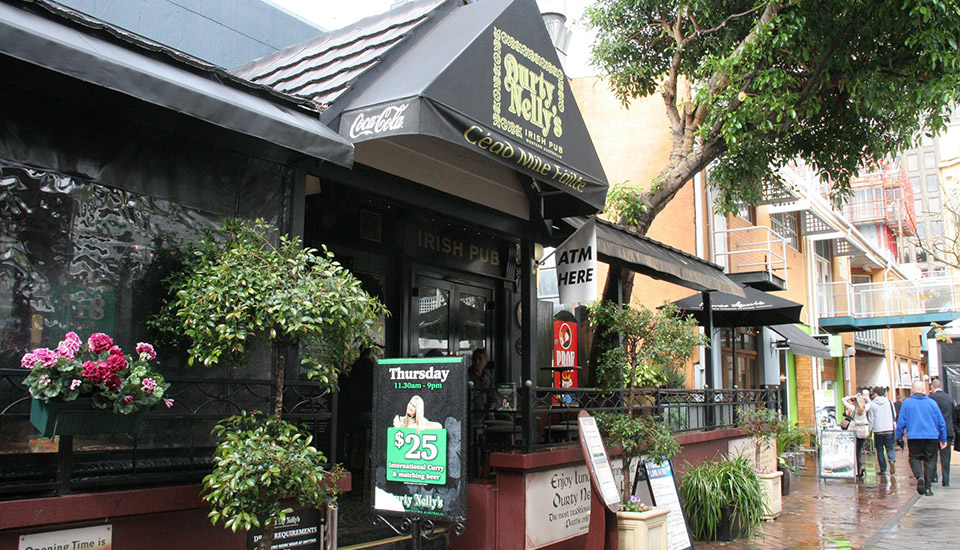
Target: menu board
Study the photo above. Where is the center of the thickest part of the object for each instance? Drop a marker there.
(596, 455)
(418, 431)
(301, 530)
(662, 488)
(838, 454)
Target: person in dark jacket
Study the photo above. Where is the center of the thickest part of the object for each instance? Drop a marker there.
(947, 405)
(920, 418)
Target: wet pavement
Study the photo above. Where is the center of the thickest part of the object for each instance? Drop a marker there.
(880, 513)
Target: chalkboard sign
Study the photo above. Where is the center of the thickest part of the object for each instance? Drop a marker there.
(656, 484)
(301, 530)
(419, 423)
(838, 454)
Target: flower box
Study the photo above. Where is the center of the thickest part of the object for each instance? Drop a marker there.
(78, 417)
(643, 530)
(772, 494)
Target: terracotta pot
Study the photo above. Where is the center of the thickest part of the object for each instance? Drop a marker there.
(643, 530)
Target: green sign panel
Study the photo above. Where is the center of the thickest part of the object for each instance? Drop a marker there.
(417, 456)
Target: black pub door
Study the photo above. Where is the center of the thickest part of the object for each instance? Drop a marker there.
(450, 316)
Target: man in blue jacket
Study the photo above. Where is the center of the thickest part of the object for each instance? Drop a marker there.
(921, 419)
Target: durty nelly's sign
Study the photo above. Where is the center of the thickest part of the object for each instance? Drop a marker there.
(528, 94)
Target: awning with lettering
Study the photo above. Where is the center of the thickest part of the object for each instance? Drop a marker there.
(487, 79)
(755, 308)
(801, 343)
(624, 248)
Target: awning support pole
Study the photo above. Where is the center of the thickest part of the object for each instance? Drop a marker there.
(708, 360)
(528, 337)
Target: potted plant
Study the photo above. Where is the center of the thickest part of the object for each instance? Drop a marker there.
(790, 437)
(91, 387)
(240, 285)
(637, 437)
(762, 425)
(723, 499)
(641, 527)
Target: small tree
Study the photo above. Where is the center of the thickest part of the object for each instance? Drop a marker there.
(653, 344)
(238, 286)
(637, 436)
(763, 425)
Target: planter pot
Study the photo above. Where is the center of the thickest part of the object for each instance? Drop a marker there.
(729, 528)
(80, 418)
(772, 494)
(785, 482)
(643, 530)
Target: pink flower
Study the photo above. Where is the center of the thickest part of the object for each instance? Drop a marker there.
(168, 403)
(116, 362)
(149, 384)
(95, 372)
(75, 384)
(45, 356)
(128, 399)
(66, 351)
(99, 342)
(72, 337)
(44, 380)
(146, 349)
(28, 360)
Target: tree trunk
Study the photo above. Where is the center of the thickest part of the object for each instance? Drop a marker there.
(266, 543)
(279, 362)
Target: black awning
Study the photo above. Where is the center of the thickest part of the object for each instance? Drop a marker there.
(624, 248)
(487, 78)
(800, 342)
(166, 83)
(755, 309)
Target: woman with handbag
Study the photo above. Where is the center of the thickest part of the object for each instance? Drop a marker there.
(857, 406)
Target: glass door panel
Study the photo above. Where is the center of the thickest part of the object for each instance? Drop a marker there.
(474, 330)
(433, 320)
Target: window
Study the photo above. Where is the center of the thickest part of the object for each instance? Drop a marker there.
(912, 164)
(936, 228)
(926, 141)
(915, 181)
(932, 183)
(822, 249)
(907, 257)
(918, 205)
(921, 231)
(933, 205)
(747, 212)
(921, 256)
(786, 225)
(929, 160)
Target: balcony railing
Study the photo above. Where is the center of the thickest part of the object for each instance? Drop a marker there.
(892, 298)
(555, 410)
(752, 249)
(872, 338)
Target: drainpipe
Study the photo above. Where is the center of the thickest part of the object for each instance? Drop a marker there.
(813, 301)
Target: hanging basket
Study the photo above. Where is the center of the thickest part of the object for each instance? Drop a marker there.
(78, 417)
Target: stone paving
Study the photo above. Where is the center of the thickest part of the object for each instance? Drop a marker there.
(880, 513)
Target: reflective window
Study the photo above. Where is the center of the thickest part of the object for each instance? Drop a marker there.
(434, 321)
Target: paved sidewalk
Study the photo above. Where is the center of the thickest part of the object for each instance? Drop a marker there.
(881, 513)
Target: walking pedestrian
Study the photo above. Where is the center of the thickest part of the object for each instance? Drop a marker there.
(883, 421)
(857, 406)
(946, 404)
(920, 420)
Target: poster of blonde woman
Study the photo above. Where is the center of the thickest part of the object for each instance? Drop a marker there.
(419, 445)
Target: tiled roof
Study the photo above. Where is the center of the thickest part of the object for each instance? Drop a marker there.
(325, 67)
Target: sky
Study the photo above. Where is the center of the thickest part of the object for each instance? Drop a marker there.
(334, 14)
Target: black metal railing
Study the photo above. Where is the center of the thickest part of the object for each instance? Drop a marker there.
(555, 410)
(173, 446)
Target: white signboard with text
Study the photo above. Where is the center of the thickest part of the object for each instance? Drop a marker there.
(557, 505)
(577, 266)
(88, 538)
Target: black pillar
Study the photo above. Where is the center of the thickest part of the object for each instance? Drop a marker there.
(528, 338)
(708, 352)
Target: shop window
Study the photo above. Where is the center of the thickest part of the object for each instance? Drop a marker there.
(739, 356)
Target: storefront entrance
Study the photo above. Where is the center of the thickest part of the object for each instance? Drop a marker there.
(450, 316)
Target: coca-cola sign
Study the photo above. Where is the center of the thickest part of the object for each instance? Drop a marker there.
(379, 121)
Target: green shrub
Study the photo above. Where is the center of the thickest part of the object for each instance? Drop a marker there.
(705, 489)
